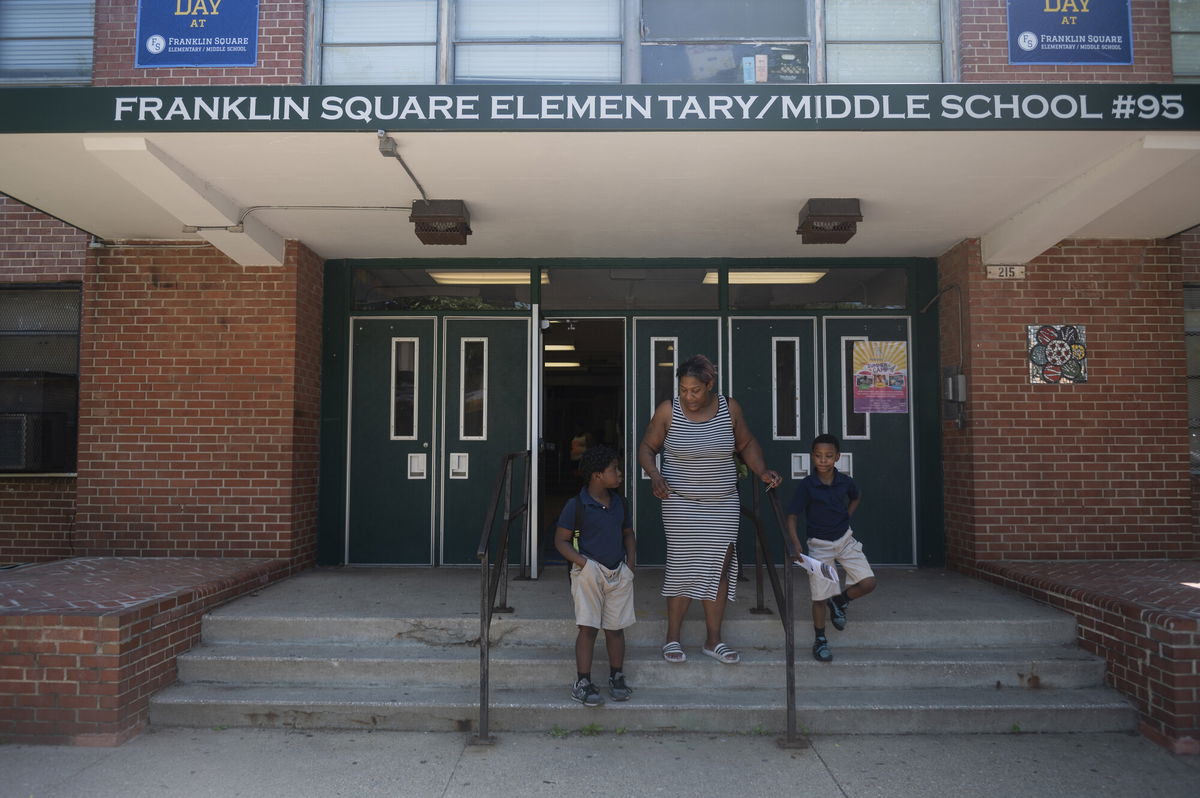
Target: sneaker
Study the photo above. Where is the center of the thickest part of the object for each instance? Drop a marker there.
(837, 614)
(821, 652)
(586, 693)
(617, 687)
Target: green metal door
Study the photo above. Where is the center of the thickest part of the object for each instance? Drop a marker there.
(485, 364)
(876, 430)
(772, 372)
(391, 460)
(660, 345)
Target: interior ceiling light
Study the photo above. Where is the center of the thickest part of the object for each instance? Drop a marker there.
(741, 277)
(562, 364)
(483, 278)
(829, 221)
(441, 221)
(559, 347)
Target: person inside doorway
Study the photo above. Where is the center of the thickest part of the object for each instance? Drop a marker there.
(700, 435)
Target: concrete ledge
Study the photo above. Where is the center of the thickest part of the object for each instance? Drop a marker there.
(1143, 617)
(85, 642)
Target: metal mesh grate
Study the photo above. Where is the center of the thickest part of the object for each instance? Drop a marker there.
(39, 310)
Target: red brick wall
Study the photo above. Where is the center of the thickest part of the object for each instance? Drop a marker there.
(1140, 617)
(198, 417)
(37, 513)
(81, 669)
(1094, 470)
(984, 41)
(281, 29)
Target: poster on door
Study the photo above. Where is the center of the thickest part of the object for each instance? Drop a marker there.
(880, 377)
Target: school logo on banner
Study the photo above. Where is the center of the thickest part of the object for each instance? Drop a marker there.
(197, 33)
(1070, 32)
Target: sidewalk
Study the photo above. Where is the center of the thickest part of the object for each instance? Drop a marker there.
(198, 763)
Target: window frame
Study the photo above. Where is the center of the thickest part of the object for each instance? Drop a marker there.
(72, 423)
(83, 78)
(631, 44)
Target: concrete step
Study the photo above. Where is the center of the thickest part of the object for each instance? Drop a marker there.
(1062, 667)
(833, 711)
(743, 632)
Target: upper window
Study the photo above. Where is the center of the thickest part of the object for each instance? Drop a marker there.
(1185, 40)
(39, 379)
(46, 41)
(379, 41)
(543, 41)
(723, 41)
(883, 41)
(598, 41)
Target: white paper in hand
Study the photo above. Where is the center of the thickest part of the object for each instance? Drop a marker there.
(823, 570)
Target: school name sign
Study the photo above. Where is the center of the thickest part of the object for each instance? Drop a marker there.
(604, 108)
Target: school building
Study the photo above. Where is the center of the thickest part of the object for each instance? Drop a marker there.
(285, 279)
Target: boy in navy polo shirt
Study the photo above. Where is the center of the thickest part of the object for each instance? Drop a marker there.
(602, 559)
(828, 498)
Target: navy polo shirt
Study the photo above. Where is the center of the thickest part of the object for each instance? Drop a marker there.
(824, 506)
(602, 536)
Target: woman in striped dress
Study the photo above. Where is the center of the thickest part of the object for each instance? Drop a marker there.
(698, 434)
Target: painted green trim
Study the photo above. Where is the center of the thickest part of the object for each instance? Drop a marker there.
(335, 374)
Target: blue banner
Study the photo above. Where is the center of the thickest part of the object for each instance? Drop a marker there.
(197, 33)
(1070, 32)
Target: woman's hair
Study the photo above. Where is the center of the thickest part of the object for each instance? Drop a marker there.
(698, 367)
(596, 459)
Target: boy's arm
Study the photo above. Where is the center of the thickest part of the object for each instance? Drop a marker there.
(630, 541)
(562, 543)
(853, 504)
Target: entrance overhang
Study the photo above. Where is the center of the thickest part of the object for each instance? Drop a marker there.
(680, 172)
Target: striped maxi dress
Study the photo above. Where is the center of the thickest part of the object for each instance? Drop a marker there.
(701, 515)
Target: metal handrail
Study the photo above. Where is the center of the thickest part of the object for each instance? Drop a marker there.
(493, 576)
(783, 600)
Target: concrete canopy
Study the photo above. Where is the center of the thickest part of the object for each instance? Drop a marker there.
(612, 193)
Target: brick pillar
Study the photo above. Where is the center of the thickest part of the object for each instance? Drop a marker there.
(1097, 470)
(199, 405)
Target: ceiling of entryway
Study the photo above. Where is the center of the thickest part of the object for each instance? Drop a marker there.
(614, 195)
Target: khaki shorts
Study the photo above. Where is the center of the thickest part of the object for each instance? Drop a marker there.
(846, 552)
(603, 598)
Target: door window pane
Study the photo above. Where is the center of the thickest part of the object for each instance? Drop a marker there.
(404, 389)
(473, 396)
(522, 63)
(786, 372)
(883, 63)
(664, 361)
(854, 425)
(538, 19)
(882, 20)
(724, 19)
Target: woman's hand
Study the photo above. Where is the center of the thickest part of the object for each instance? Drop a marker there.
(659, 486)
(771, 478)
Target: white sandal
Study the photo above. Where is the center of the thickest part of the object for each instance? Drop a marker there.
(723, 654)
(673, 653)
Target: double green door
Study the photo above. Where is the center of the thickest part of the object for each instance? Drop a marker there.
(435, 403)
(794, 377)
